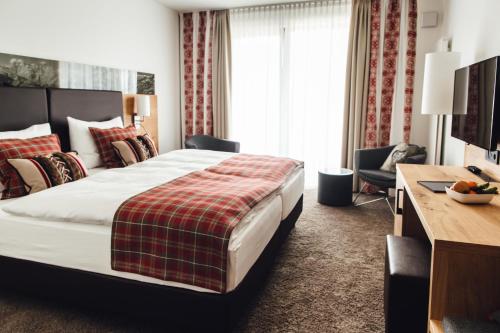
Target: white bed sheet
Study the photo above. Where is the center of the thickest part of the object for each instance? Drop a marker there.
(94, 171)
(87, 247)
(62, 243)
(96, 199)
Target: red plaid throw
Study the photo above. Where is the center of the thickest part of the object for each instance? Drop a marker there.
(103, 139)
(180, 231)
(22, 148)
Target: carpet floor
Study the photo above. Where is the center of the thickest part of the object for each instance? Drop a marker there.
(327, 278)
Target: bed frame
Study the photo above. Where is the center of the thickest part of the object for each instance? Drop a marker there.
(179, 308)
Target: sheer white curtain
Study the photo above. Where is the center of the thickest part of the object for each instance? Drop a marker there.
(289, 66)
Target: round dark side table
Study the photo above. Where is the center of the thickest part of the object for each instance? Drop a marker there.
(335, 187)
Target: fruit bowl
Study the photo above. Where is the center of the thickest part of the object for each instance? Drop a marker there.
(469, 198)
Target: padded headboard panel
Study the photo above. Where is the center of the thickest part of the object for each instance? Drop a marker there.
(22, 107)
(88, 105)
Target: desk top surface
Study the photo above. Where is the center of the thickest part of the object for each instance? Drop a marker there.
(443, 218)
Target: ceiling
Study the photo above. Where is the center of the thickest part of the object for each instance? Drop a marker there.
(189, 5)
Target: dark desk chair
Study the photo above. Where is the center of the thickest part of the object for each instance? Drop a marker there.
(367, 163)
(210, 143)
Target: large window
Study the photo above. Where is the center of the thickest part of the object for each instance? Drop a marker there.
(289, 65)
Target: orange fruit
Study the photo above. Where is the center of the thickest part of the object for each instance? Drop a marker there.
(461, 187)
(472, 192)
(472, 184)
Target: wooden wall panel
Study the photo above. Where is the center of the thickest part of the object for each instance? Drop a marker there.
(150, 123)
(476, 156)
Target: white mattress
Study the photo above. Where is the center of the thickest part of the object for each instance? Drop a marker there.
(88, 246)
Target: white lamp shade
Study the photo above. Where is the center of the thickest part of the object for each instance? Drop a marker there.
(439, 77)
(143, 106)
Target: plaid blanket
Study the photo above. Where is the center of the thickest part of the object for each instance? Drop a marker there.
(180, 231)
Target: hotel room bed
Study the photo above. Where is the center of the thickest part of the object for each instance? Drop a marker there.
(62, 243)
(70, 260)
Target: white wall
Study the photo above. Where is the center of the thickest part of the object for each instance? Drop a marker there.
(474, 29)
(140, 35)
(424, 126)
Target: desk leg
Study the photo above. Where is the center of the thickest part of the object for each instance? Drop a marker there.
(438, 283)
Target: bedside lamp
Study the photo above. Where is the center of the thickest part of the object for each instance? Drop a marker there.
(437, 97)
(143, 110)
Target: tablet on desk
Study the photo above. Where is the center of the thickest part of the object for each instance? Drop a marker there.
(436, 186)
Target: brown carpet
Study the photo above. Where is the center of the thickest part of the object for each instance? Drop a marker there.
(328, 278)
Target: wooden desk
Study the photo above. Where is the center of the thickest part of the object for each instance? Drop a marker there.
(465, 272)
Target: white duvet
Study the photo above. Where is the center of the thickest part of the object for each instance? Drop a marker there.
(95, 199)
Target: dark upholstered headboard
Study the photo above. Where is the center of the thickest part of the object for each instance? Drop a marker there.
(88, 105)
(22, 107)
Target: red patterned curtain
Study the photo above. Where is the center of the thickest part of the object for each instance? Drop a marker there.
(390, 56)
(371, 114)
(197, 30)
(410, 67)
(384, 70)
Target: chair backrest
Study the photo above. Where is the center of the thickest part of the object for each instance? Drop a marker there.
(210, 143)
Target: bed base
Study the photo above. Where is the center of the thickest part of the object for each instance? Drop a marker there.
(175, 308)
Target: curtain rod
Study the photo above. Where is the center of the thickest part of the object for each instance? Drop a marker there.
(277, 5)
(289, 4)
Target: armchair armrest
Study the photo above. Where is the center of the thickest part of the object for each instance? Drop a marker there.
(371, 158)
(417, 159)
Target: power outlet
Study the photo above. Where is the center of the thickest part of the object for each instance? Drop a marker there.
(493, 156)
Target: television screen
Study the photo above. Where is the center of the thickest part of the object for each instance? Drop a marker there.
(473, 105)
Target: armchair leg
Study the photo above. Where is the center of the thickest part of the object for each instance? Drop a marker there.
(359, 193)
(385, 197)
(389, 204)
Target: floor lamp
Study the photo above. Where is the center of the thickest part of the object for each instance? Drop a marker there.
(437, 97)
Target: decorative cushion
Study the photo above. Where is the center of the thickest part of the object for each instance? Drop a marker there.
(398, 155)
(28, 133)
(22, 148)
(134, 150)
(42, 172)
(104, 138)
(82, 142)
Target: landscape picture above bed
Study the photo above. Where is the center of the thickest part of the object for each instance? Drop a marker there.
(22, 71)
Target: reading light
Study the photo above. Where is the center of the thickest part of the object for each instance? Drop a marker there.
(143, 109)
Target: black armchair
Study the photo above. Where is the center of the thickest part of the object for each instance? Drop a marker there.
(210, 143)
(367, 163)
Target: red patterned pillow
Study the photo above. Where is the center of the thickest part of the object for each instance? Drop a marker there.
(19, 148)
(103, 139)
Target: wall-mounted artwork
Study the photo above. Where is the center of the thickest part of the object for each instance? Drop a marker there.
(21, 71)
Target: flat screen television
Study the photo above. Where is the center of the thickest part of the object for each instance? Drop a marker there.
(476, 104)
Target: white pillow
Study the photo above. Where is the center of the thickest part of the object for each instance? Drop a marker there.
(82, 142)
(28, 133)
